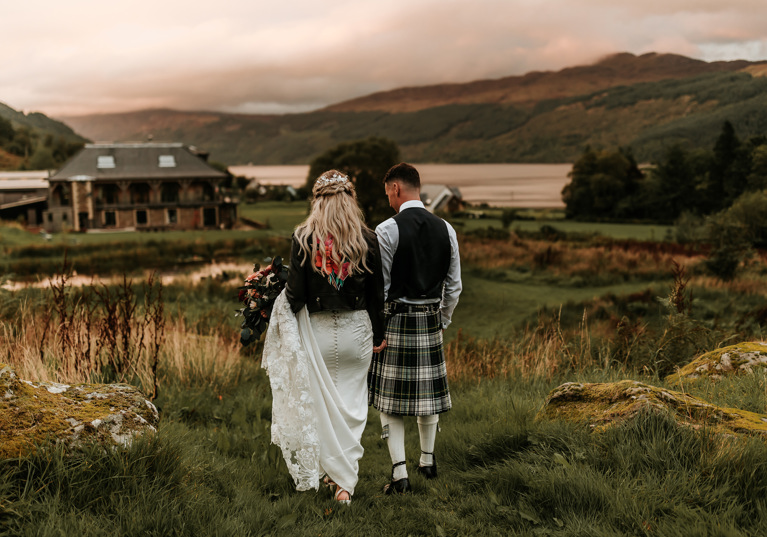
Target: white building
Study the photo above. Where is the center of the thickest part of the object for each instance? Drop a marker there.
(24, 195)
(438, 198)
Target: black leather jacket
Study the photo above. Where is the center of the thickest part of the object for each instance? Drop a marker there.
(361, 291)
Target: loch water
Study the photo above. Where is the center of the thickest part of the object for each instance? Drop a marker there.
(499, 185)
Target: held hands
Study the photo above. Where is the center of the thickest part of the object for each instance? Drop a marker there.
(380, 347)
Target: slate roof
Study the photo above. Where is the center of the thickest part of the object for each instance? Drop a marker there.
(23, 201)
(435, 197)
(137, 161)
(24, 180)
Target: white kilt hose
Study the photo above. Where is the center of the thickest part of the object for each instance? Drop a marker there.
(409, 377)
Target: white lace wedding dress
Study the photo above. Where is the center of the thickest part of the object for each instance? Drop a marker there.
(317, 366)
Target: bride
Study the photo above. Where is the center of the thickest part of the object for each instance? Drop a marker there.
(321, 339)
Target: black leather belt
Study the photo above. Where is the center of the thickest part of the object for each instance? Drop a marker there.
(393, 308)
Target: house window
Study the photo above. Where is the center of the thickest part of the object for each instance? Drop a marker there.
(108, 194)
(105, 161)
(171, 217)
(110, 219)
(60, 195)
(169, 193)
(202, 192)
(209, 217)
(139, 193)
(64, 216)
(167, 161)
(141, 219)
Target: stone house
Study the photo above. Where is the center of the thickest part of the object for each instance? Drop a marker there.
(138, 186)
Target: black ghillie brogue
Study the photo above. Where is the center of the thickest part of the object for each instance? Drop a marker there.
(429, 472)
(400, 486)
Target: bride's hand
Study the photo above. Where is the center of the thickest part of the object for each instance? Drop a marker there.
(381, 347)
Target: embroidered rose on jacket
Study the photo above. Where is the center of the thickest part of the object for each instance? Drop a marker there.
(336, 275)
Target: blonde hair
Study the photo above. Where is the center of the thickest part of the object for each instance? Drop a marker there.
(334, 213)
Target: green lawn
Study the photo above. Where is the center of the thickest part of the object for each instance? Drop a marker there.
(489, 308)
(282, 217)
(641, 232)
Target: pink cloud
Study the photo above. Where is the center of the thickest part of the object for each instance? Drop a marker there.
(249, 56)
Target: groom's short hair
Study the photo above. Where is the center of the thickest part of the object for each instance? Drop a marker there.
(405, 173)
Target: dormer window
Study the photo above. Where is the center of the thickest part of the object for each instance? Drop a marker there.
(167, 161)
(105, 161)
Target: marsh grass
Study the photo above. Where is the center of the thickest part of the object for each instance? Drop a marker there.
(593, 262)
(144, 253)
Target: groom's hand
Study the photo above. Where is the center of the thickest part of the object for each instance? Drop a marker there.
(379, 348)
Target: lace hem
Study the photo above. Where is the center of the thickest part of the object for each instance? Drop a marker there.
(294, 422)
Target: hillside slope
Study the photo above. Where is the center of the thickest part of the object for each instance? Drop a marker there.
(39, 123)
(646, 102)
(615, 70)
(38, 142)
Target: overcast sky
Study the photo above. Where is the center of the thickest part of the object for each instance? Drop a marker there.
(253, 56)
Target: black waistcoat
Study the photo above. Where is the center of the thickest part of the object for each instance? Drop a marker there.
(422, 259)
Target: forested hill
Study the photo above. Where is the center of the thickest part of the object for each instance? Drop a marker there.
(646, 102)
(34, 141)
(622, 69)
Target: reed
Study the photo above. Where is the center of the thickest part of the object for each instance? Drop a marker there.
(591, 260)
(122, 333)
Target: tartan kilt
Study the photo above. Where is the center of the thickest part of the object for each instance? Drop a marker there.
(409, 377)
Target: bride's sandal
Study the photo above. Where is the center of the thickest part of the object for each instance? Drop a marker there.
(337, 496)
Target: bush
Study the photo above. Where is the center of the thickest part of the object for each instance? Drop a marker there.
(489, 233)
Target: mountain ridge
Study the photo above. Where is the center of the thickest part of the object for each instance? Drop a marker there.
(615, 69)
(644, 102)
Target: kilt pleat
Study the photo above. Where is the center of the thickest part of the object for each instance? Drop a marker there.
(409, 377)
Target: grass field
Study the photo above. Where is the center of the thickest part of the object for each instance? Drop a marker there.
(534, 313)
(533, 220)
(211, 471)
(490, 309)
(281, 217)
(30, 256)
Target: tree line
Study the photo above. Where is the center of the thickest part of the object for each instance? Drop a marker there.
(35, 150)
(717, 196)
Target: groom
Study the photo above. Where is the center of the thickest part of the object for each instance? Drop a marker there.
(422, 281)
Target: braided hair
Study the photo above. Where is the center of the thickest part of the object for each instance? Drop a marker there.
(334, 213)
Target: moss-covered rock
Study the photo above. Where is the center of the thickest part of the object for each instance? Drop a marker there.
(735, 359)
(602, 405)
(33, 414)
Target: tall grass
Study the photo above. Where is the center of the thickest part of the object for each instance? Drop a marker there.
(212, 471)
(593, 262)
(121, 333)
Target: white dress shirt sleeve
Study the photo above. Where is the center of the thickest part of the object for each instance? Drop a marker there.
(388, 240)
(452, 288)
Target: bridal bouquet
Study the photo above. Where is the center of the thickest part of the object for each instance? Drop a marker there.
(258, 294)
